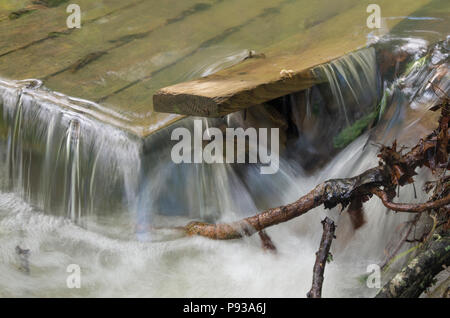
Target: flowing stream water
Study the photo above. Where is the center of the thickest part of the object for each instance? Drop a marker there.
(76, 191)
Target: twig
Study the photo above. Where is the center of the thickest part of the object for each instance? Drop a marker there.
(412, 208)
(266, 242)
(322, 257)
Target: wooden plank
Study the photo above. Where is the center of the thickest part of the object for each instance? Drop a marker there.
(289, 18)
(258, 80)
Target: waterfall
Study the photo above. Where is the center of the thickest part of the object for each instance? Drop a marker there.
(72, 195)
(64, 169)
(354, 82)
(61, 160)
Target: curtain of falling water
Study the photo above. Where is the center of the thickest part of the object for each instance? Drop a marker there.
(354, 81)
(53, 154)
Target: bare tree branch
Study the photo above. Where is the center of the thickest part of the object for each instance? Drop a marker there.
(322, 257)
(412, 208)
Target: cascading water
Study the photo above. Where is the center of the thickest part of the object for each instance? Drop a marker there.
(65, 169)
(353, 80)
(59, 160)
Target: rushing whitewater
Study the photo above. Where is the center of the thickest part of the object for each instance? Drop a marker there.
(76, 191)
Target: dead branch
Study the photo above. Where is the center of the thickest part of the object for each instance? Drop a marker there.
(329, 193)
(394, 170)
(322, 256)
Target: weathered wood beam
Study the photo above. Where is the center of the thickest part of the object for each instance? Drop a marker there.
(218, 95)
(285, 69)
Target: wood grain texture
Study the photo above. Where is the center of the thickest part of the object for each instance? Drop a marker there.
(217, 95)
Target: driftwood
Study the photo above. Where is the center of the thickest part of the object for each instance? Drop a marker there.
(220, 94)
(322, 257)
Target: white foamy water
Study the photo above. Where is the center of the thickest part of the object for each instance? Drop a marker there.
(117, 264)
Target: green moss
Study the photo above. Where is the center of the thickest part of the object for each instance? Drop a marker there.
(350, 133)
(329, 258)
(315, 109)
(411, 66)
